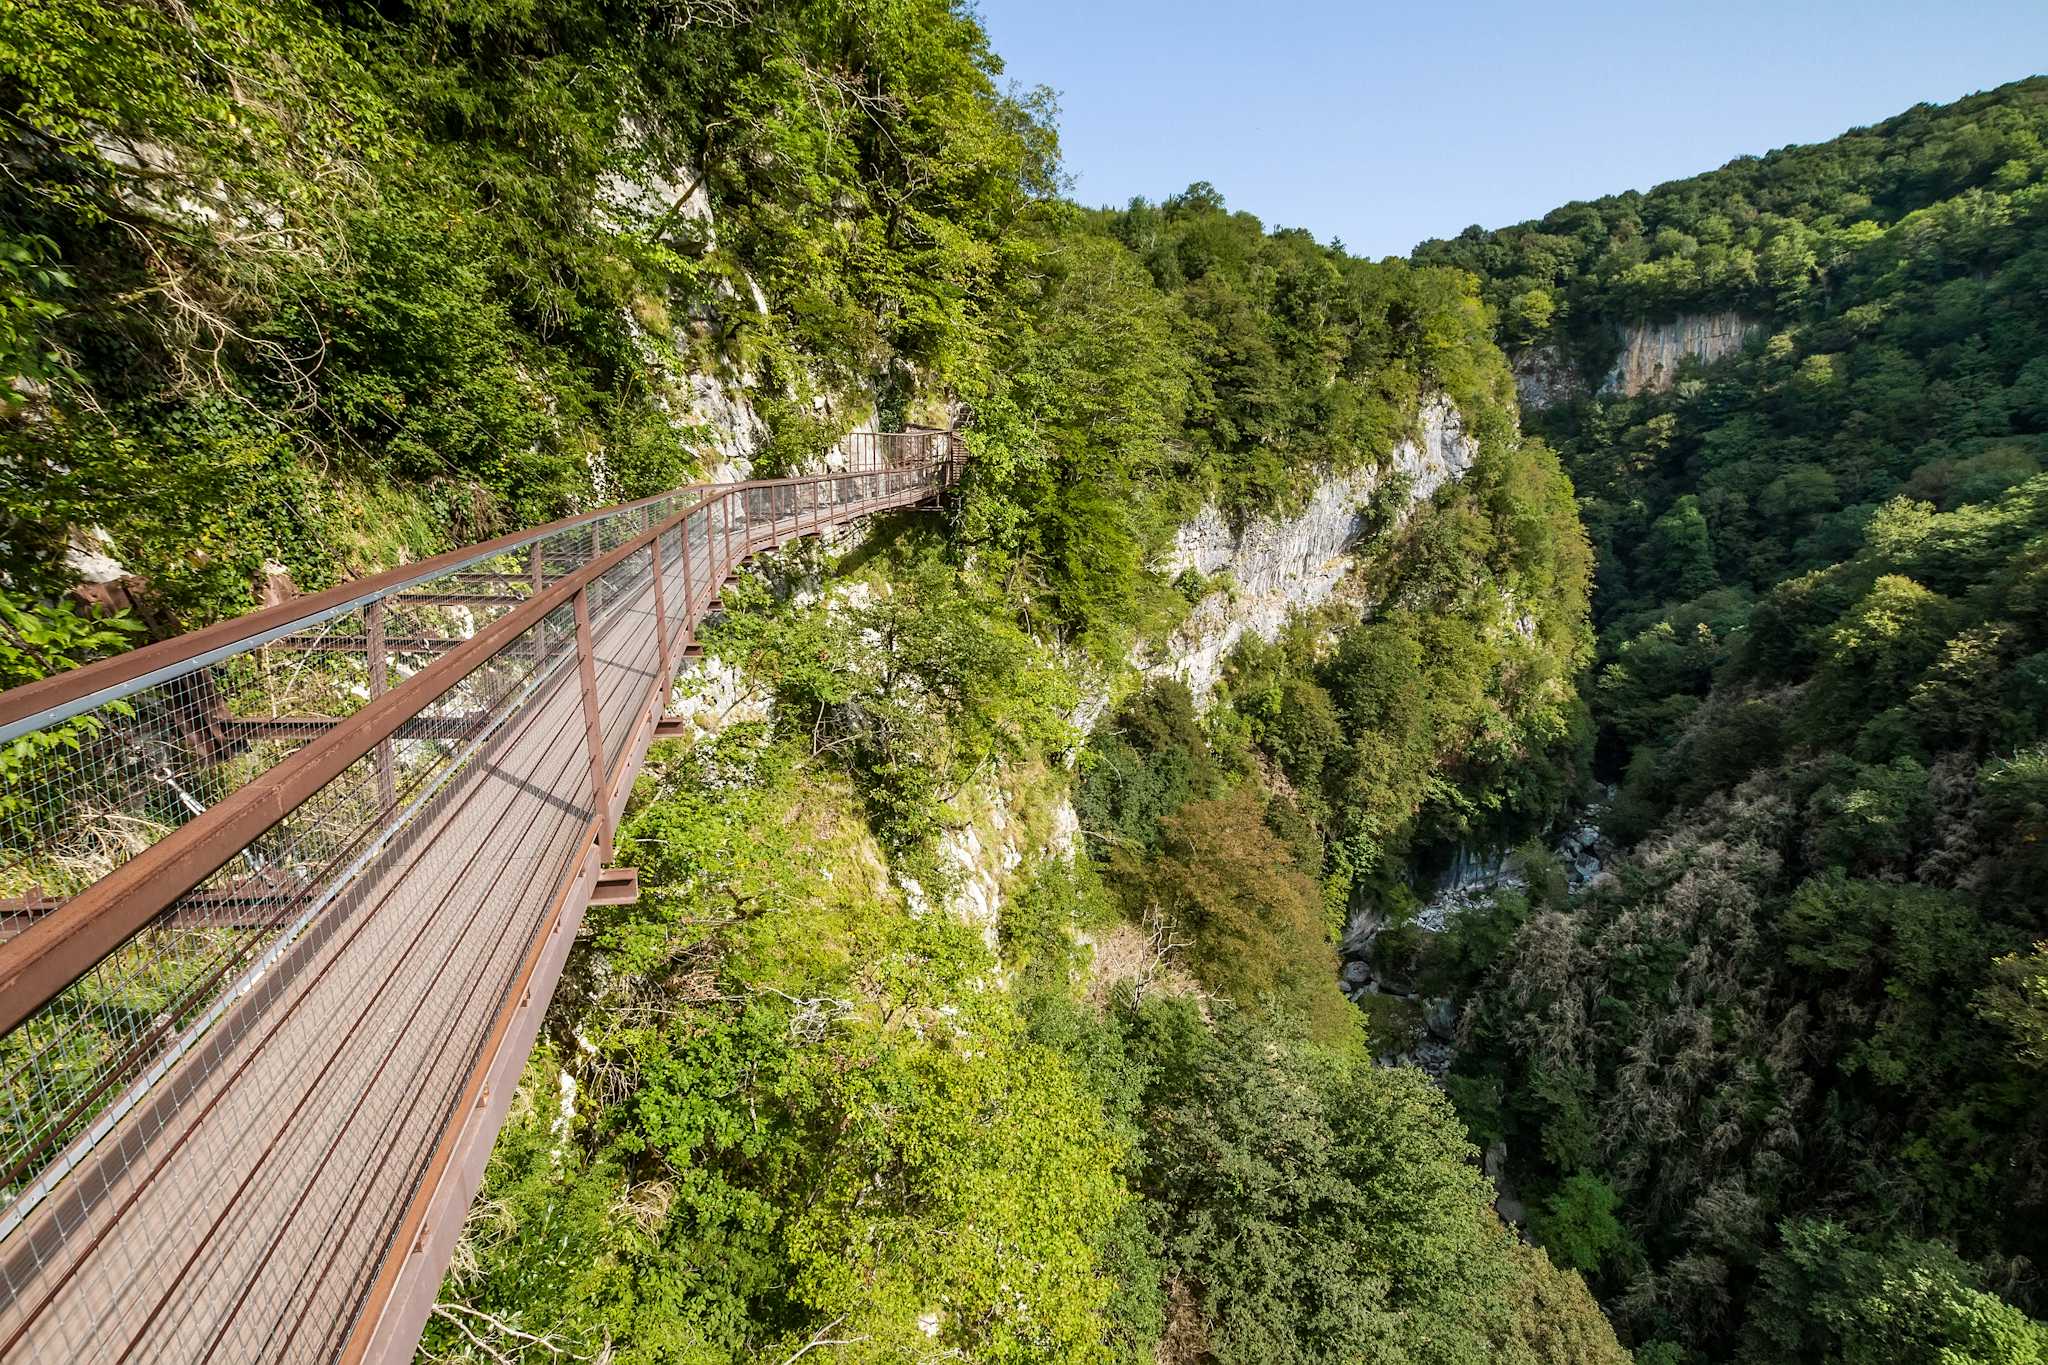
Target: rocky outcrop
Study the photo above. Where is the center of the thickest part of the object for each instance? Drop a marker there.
(1545, 377)
(647, 196)
(718, 416)
(651, 197)
(1651, 353)
(1650, 358)
(1273, 568)
(981, 859)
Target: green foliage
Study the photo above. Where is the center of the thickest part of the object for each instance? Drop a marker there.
(1149, 761)
(1072, 432)
(1577, 1225)
(922, 679)
(1254, 920)
(1829, 1300)
(1327, 1212)
(29, 307)
(2018, 998)
(1680, 551)
(792, 1114)
(1450, 715)
(35, 642)
(1790, 1032)
(1041, 919)
(445, 252)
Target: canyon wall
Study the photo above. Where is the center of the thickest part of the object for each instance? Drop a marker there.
(1651, 353)
(1649, 360)
(1279, 566)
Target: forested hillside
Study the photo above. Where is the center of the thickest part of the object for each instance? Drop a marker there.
(981, 1001)
(1775, 1083)
(294, 292)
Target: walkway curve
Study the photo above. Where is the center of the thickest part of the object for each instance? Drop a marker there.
(288, 898)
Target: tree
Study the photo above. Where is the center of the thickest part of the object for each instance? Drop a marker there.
(1254, 919)
(1529, 315)
(1328, 1211)
(1677, 560)
(1828, 1298)
(2018, 999)
(1577, 1226)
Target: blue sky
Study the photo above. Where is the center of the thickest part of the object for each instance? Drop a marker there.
(1384, 124)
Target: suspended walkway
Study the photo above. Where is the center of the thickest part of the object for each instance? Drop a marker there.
(282, 903)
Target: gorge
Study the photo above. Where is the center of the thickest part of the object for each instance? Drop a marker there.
(1478, 806)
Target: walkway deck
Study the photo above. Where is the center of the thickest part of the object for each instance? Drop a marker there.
(292, 1185)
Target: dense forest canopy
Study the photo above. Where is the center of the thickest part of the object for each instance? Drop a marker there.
(322, 286)
(1783, 1066)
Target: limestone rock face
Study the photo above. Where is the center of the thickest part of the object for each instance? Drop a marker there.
(983, 857)
(1283, 565)
(1652, 352)
(656, 196)
(721, 416)
(1545, 377)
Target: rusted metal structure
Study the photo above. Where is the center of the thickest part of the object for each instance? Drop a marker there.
(282, 902)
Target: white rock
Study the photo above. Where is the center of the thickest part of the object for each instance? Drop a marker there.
(88, 560)
(1279, 567)
(1651, 352)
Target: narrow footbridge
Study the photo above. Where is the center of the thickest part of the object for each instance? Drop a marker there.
(282, 902)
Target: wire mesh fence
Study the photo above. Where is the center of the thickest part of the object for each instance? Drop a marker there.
(207, 1138)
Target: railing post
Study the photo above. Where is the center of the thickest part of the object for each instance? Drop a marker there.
(373, 648)
(593, 725)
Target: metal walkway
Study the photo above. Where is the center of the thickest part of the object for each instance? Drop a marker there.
(286, 898)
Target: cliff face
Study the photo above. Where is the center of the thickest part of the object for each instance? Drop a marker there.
(1545, 377)
(1277, 567)
(707, 396)
(1652, 352)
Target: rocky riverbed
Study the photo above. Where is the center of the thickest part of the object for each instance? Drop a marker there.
(1376, 966)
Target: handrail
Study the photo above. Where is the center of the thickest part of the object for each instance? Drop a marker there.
(52, 954)
(59, 697)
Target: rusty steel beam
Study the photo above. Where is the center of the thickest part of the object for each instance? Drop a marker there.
(593, 725)
(616, 886)
(489, 576)
(219, 908)
(348, 644)
(457, 599)
(661, 610)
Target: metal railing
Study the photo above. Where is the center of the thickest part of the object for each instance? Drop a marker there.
(230, 860)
